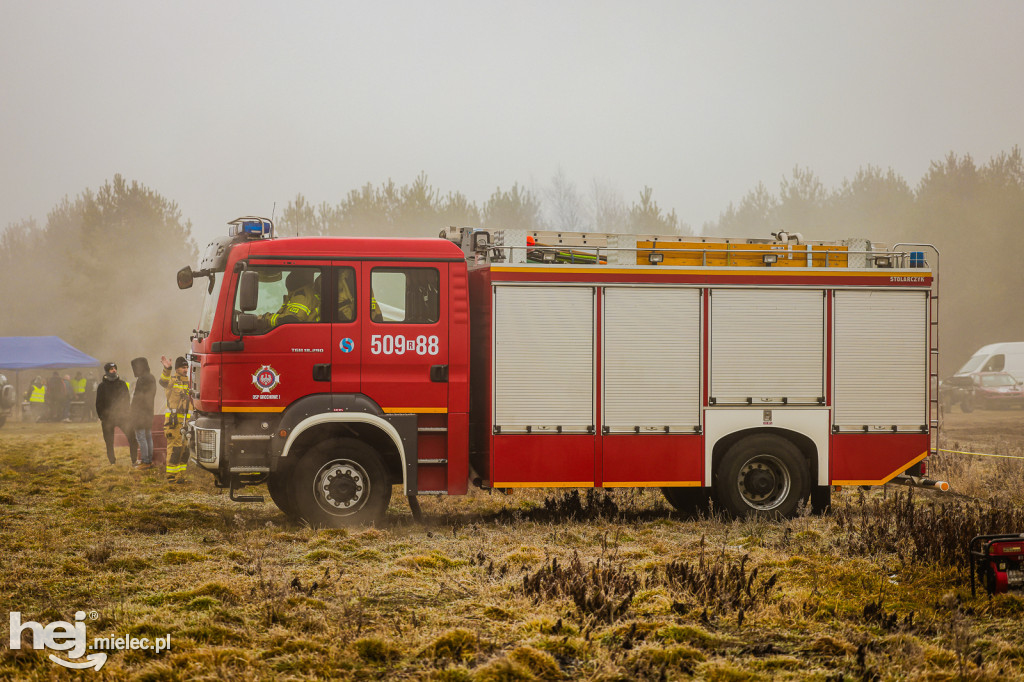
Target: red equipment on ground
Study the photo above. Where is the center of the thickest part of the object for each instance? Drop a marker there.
(998, 562)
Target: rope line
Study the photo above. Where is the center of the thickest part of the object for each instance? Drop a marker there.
(979, 454)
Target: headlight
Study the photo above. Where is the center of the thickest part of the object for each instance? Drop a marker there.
(207, 445)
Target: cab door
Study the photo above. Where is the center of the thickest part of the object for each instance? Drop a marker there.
(404, 347)
(346, 337)
(277, 364)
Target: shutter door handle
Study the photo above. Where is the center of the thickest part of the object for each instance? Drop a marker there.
(322, 372)
(439, 374)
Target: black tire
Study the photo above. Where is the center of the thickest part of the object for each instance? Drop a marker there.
(821, 499)
(967, 404)
(7, 397)
(3, 420)
(279, 485)
(762, 475)
(689, 502)
(340, 482)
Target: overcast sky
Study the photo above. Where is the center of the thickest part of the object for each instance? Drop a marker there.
(227, 107)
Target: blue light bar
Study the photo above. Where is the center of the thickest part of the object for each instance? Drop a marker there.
(252, 227)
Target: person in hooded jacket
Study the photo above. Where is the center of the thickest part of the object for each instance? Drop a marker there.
(112, 406)
(54, 397)
(141, 410)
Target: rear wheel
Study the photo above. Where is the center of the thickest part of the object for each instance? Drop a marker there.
(3, 420)
(340, 482)
(689, 501)
(762, 475)
(967, 404)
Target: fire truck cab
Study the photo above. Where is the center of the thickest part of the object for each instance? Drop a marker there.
(757, 373)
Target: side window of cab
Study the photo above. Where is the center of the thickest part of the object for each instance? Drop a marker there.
(405, 295)
(346, 278)
(285, 296)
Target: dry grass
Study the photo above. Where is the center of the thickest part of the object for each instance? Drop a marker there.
(596, 586)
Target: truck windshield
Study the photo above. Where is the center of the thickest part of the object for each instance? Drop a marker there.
(210, 302)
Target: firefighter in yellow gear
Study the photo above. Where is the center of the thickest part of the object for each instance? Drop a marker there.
(301, 304)
(175, 383)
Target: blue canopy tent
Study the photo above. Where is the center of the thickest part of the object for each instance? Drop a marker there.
(40, 352)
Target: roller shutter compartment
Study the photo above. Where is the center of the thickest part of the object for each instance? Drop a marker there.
(767, 346)
(652, 339)
(543, 359)
(881, 360)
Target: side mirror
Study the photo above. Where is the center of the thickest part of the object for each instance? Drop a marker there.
(246, 323)
(248, 290)
(185, 278)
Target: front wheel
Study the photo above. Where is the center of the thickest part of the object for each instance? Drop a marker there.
(967, 404)
(762, 475)
(279, 485)
(340, 482)
(3, 420)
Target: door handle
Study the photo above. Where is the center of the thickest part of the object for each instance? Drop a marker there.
(439, 374)
(322, 372)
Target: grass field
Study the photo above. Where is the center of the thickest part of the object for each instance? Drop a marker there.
(537, 585)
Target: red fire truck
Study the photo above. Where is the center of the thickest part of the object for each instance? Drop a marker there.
(757, 372)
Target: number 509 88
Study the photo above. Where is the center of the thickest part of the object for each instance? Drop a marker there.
(399, 344)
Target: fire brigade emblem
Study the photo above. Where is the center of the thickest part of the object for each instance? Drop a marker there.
(265, 379)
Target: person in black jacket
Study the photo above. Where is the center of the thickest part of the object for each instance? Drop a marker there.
(54, 397)
(112, 406)
(143, 400)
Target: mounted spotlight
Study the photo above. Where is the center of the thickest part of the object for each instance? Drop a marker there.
(883, 261)
(655, 258)
(770, 259)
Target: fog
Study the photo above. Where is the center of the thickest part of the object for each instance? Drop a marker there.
(233, 108)
(229, 107)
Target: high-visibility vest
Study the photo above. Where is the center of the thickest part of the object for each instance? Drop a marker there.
(78, 385)
(38, 394)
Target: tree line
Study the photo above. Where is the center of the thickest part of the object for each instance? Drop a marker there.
(973, 213)
(419, 208)
(100, 271)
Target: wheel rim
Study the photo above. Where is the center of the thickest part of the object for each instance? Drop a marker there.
(341, 487)
(764, 482)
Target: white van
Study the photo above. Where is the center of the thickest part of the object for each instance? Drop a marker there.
(997, 357)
